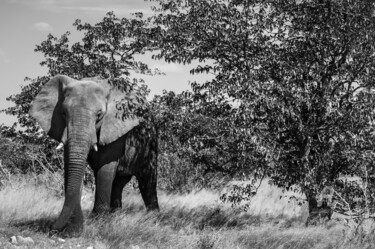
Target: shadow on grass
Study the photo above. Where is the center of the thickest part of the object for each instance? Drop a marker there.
(42, 225)
(197, 218)
(38, 225)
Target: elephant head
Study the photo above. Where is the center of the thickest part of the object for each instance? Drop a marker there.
(80, 114)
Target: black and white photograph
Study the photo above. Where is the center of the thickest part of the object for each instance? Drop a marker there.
(198, 124)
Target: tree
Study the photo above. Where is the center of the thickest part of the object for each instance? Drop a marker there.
(298, 74)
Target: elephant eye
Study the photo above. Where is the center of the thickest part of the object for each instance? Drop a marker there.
(100, 115)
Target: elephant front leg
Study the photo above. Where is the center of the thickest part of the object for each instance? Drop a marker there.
(74, 225)
(104, 179)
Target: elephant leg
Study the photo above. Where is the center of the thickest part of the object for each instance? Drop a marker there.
(104, 178)
(118, 185)
(147, 186)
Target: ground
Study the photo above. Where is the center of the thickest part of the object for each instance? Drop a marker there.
(195, 220)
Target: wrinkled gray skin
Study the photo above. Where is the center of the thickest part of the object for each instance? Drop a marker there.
(82, 115)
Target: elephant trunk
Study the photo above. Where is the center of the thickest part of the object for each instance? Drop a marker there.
(75, 155)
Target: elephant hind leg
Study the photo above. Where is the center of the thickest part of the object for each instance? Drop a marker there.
(117, 186)
(147, 185)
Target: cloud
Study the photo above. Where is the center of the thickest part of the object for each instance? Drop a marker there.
(168, 68)
(42, 27)
(3, 56)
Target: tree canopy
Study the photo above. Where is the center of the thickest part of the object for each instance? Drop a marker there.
(297, 74)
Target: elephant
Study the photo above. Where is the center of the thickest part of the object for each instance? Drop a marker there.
(83, 115)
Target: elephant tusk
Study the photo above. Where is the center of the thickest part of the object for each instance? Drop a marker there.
(95, 146)
(60, 146)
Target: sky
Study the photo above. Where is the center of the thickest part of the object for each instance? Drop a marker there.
(26, 23)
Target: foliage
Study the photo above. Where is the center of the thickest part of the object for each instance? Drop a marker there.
(297, 74)
(179, 126)
(197, 148)
(353, 196)
(21, 156)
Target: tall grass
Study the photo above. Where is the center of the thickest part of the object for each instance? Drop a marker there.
(194, 220)
(25, 199)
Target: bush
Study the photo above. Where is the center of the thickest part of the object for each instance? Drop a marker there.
(35, 155)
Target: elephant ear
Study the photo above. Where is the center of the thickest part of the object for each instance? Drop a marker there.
(46, 108)
(113, 126)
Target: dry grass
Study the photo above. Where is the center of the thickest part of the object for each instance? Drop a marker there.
(195, 220)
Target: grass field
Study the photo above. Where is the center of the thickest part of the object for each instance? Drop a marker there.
(195, 220)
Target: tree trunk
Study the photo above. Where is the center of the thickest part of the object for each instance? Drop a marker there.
(317, 214)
